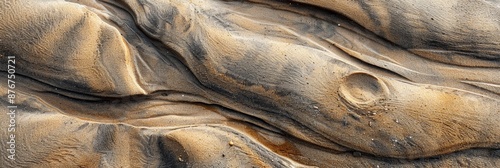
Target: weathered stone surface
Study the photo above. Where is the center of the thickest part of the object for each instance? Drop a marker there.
(258, 83)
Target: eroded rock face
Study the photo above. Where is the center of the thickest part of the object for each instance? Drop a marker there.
(212, 83)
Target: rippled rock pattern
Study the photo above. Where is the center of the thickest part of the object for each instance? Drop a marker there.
(257, 83)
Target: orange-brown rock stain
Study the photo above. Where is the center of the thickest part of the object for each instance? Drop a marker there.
(286, 148)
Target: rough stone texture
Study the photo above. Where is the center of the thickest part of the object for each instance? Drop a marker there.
(258, 83)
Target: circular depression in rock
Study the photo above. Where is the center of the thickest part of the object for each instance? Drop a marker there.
(361, 88)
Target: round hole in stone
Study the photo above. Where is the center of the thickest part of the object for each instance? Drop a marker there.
(361, 88)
